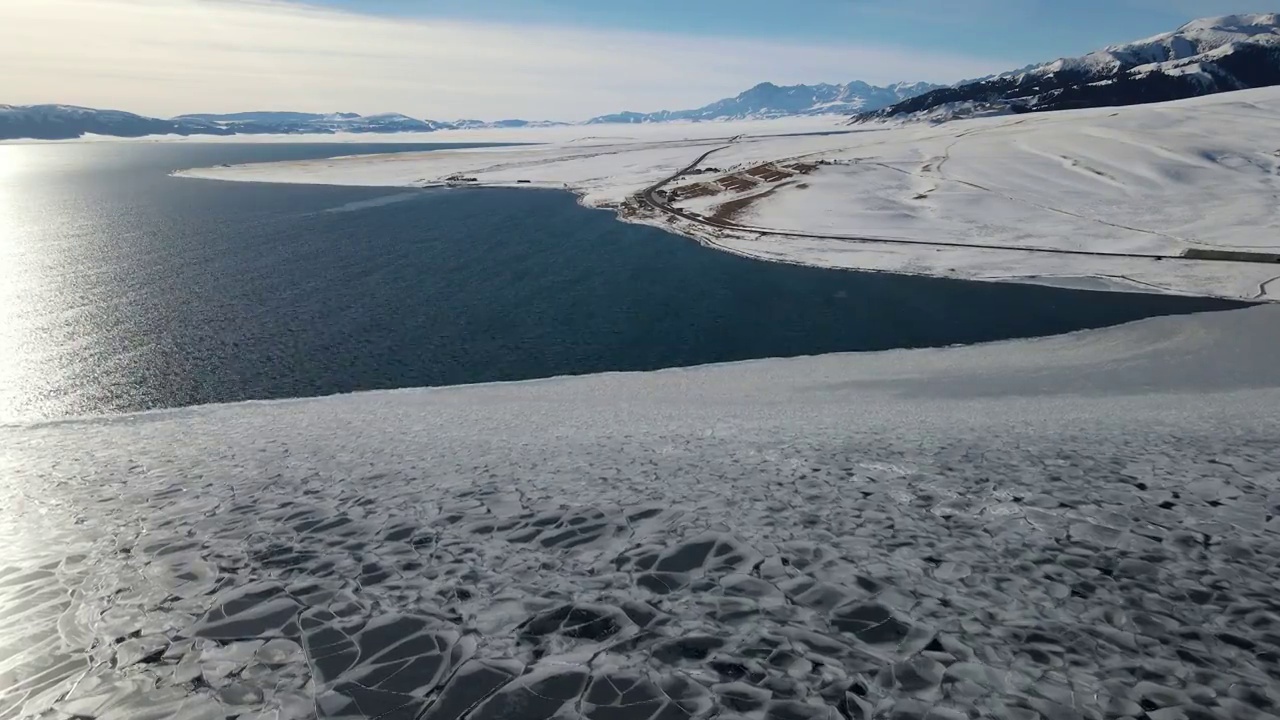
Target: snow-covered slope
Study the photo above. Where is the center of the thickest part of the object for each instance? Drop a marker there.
(1203, 57)
(313, 123)
(767, 100)
(58, 122)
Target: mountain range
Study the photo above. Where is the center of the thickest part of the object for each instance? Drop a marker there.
(766, 100)
(1212, 55)
(61, 122)
(1218, 54)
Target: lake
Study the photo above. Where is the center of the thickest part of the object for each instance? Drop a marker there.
(123, 289)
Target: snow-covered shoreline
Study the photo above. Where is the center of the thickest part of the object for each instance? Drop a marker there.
(1077, 522)
(1107, 198)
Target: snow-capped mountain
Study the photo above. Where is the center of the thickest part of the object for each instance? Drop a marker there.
(767, 100)
(64, 122)
(505, 124)
(57, 122)
(312, 123)
(1211, 55)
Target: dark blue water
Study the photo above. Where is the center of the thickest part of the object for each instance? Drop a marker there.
(123, 289)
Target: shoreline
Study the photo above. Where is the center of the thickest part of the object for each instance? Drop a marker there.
(1161, 198)
(1099, 282)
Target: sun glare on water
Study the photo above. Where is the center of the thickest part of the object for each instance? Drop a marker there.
(18, 281)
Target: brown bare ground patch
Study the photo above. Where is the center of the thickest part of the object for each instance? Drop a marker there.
(728, 212)
(696, 190)
(768, 173)
(735, 183)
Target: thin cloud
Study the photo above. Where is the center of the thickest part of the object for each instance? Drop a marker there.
(171, 56)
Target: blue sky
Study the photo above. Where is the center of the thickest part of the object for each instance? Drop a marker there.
(535, 59)
(1021, 31)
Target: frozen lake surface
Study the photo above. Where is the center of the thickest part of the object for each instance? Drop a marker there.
(1074, 527)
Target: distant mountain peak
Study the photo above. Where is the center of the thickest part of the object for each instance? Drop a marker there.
(61, 122)
(1262, 22)
(764, 100)
(769, 100)
(1206, 56)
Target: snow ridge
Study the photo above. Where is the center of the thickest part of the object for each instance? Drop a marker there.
(1206, 56)
(767, 101)
(764, 101)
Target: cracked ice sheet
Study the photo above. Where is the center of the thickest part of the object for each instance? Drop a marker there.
(1153, 179)
(1072, 527)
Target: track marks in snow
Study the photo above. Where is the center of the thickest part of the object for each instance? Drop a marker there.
(1075, 164)
(1264, 289)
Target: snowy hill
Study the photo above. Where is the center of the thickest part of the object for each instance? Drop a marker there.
(57, 122)
(764, 101)
(1174, 197)
(275, 117)
(64, 122)
(767, 100)
(312, 123)
(1211, 55)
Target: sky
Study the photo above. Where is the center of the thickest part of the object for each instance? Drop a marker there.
(533, 59)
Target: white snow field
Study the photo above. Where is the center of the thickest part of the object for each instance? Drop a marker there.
(1108, 197)
(1085, 526)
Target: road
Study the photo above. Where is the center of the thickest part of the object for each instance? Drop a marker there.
(649, 197)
